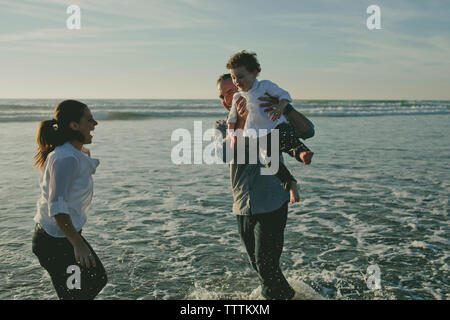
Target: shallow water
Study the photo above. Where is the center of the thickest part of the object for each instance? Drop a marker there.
(377, 192)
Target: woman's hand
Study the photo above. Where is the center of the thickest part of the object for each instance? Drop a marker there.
(83, 256)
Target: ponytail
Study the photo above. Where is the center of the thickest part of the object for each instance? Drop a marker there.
(53, 133)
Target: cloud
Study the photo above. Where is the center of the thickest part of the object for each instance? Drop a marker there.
(122, 22)
(320, 37)
(28, 9)
(152, 13)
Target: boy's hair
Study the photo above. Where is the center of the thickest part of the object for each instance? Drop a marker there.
(246, 59)
(225, 76)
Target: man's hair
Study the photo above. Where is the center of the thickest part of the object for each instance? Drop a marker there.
(246, 59)
(225, 76)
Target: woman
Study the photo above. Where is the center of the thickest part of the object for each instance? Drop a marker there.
(66, 194)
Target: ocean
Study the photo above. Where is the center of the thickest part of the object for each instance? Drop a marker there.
(376, 194)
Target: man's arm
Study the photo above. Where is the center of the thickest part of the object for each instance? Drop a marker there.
(221, 141)
(303, 126)
(241, 106)
(241, 121)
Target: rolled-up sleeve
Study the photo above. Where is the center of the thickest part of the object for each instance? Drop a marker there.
(61, 179)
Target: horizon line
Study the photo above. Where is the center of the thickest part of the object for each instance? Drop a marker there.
(304, 99)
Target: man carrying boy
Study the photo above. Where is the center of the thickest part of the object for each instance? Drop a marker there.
(260, 201)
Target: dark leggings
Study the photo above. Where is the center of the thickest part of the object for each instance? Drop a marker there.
(56, 255)
(263, 237)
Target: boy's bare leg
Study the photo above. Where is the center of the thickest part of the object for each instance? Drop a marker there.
(240, 123)
(289, 183)
(285, 176)
(293, 191)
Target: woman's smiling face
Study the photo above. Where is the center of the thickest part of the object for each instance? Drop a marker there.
(86, 125)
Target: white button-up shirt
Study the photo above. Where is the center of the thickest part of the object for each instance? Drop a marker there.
(258, 119)
(66, 187)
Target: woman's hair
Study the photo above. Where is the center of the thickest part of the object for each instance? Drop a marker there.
(246, 59)
(55, 132)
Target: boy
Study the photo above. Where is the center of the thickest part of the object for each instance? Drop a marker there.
(244, 69)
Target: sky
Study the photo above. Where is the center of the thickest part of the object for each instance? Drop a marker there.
(176, 49)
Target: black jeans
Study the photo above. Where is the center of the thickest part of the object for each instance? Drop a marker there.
(263, 237)
(56, 255)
